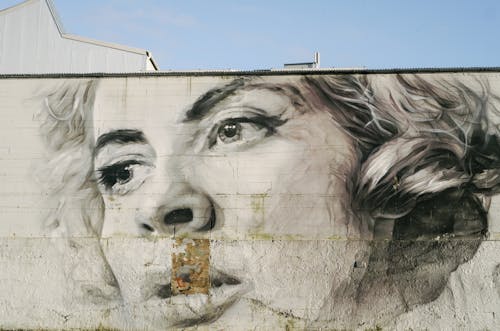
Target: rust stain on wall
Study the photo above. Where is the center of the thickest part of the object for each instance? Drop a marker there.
(190, 266)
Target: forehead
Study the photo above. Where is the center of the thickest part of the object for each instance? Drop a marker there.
(163, 101)
(133, 102)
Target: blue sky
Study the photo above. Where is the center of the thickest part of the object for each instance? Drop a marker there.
(260, 34)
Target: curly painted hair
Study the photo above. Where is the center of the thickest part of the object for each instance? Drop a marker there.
(429, 162)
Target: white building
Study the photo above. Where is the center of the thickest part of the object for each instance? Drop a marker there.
(33, 40)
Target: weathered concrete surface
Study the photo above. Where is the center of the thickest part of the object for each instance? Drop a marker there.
(273, 202)
(36, 292)
(190, 266)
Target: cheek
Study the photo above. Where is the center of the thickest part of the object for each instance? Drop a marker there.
(138, 264)
(313, 200)
(293, 183)
(311, 270)
(118, 217)
(310, 199)
(282, 187)
(125, 264)
(240, 183)
(124, 214)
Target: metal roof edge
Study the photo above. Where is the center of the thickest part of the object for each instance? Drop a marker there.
(50, 6)
(236, 73)
(104, 44)
(70, 36)
(16, 6)
(55, 16)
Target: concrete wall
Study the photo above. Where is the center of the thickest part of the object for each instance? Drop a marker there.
(260, 202)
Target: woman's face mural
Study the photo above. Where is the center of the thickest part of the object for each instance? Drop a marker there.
(245, 163)
(339, 201)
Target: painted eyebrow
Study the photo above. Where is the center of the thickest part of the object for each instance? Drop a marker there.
(122, 137)
(203, 106)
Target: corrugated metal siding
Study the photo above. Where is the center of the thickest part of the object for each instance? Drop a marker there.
(32, 43)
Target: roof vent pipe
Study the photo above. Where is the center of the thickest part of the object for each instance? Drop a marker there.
(316, 59)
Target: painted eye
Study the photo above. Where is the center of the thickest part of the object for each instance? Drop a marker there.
(118, 173)
(240, 131)
(229, 132)
(123, 174)
(122, 177)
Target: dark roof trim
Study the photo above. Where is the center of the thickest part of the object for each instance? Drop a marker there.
(277, 72)
(152, 60)
(299, 63)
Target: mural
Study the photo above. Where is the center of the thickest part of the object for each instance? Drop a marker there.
(287, 201)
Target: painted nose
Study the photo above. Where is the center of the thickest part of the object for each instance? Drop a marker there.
(192, 212)
(186, 217)
(178, 216)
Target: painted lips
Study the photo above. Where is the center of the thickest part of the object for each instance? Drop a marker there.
(164, 308)
(221, 285)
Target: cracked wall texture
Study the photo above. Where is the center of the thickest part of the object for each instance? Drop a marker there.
(329, 201)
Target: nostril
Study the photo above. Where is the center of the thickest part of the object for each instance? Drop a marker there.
(147, 227)
(178, 216)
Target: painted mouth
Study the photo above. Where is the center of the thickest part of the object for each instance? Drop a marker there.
(221, 284)
(184, 310)
(160, 307)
